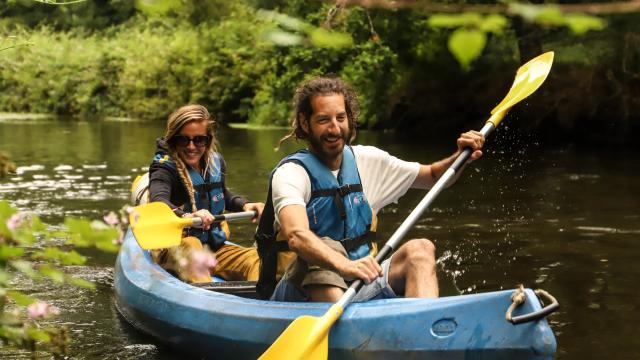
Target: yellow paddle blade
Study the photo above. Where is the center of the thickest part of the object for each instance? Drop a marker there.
(307, 337)
(155, 226)
(528, 79)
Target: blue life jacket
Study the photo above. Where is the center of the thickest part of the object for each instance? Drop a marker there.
(337, 207)
(208, 194)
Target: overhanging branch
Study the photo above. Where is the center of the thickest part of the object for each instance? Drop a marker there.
(429, 6)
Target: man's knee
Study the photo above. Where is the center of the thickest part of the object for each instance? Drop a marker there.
(420, 251)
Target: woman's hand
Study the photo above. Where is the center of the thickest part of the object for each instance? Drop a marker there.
(258, 207)
(205, 215)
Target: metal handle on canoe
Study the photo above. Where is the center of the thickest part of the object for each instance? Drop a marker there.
(519, 297)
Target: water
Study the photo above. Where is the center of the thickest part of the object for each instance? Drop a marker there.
(564, 219)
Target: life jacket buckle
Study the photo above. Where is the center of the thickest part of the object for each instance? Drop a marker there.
(344, 190)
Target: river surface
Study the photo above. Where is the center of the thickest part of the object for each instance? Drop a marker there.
(562, 218)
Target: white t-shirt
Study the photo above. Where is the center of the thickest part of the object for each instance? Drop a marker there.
(385, 179)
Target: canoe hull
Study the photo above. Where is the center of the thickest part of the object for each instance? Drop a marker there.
(212, 324)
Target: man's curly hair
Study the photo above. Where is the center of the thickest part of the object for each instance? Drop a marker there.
(321, 86)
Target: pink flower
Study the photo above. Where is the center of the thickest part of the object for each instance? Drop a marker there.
(111, 219)
(201, 263)
(14, 222)
(41, 310)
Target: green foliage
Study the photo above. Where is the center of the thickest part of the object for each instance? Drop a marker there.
(90, 15)
(40, 261)
(242, 63)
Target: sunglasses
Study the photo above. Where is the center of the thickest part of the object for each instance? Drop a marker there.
(183, 141)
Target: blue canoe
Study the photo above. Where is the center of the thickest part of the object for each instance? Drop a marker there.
(209, 323)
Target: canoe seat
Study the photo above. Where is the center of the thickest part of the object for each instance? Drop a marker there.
(245, 289)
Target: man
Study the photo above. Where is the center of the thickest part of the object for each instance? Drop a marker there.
(325, 198)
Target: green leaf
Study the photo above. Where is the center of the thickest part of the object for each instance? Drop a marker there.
(37, 225)
(25, 267)
(81, 283)
(24, 236)
(493, 23)
(4, 278)
(38, 335)
(580, 23)
(336, 40)
(8, 252)
(286, 21)
(550, 15)
(526, 11)
(466, 45)
(84, 233)
(66, 258)
(282, 38)
(20, 298)
(454, 20)
(12, 333)
(6, 210)
(52, 273)
(157, 7)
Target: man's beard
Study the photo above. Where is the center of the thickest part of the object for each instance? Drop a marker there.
(323, 153)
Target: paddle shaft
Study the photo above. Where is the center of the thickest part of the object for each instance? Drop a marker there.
(413, 217)
(196, 222)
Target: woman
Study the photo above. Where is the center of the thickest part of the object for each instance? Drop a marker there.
(188, 174)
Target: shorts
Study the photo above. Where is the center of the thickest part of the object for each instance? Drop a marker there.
(300, 274)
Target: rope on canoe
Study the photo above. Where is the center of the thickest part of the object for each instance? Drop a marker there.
(517, 298)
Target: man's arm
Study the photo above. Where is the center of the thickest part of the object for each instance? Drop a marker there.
(429, 174)
(295, 226)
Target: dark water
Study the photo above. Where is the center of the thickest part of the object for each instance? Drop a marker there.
(565, 219)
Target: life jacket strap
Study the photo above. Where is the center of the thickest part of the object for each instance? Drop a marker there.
(355, 242)
(208, 187)
(204, 189)
(338, 194)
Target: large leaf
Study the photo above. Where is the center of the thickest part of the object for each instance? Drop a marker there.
(52, 273)
(25, 267)
(580, 23)
(64, 257)
(323, 38)
(8, 252)
(6, 211)
(20, 298)
(466, 45)
(81, 283)
(282, 38)
(38, 335)
(84, 233)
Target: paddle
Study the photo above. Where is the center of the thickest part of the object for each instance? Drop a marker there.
(155, 225)
(307, 336)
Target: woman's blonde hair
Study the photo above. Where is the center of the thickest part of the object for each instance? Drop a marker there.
(177, 120)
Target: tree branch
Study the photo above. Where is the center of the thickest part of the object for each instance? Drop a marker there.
(429, 6)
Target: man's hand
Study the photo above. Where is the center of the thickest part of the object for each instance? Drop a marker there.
(367, 269)
(471, 139)
(257, 207)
